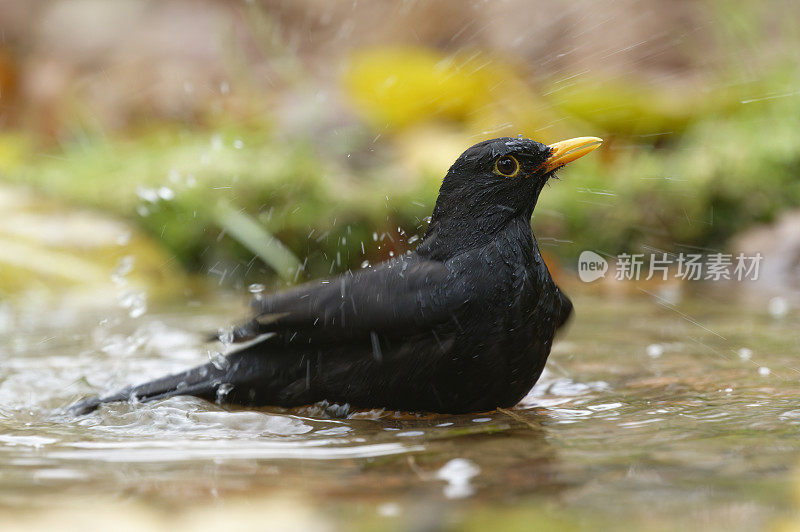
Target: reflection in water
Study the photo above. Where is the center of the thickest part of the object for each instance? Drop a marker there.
(608, 424)
(458, 472)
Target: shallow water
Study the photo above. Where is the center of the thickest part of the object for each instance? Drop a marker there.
(648, 416)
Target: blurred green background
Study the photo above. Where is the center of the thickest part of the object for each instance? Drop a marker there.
(282, 140)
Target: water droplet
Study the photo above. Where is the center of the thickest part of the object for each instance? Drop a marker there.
(778, 307)
(256, 288)
(218, 360)
(389, 509)
(764, 371)
(147, 194)
(655, 350)
(124, 267)
(223, 390)
(138, 309)
(216, 142)
(226, 335)
(166, 193)
(124, 239)
(745, 353)
(458, 472)
(134, 301)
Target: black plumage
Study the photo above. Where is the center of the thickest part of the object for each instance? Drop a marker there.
(465, 323)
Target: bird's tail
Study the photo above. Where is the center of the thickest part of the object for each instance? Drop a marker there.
(243, 377)
(203, 381)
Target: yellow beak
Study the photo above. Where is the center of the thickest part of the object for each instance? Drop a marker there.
(567, 151)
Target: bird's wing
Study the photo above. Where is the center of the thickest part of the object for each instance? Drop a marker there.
(396, 297)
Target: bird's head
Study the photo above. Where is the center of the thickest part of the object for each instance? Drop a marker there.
(498, 180)
(506, 174)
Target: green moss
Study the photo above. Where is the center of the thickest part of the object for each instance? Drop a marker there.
(722, 175)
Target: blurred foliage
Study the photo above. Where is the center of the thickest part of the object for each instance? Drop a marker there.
(400, 87)
(173, 182)
(721, 175)
(623, 107)
(684, 164)
(14, 151)
(725, 173)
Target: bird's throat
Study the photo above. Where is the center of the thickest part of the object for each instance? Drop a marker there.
(449, 237)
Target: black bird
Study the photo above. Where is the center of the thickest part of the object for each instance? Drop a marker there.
(463, 324)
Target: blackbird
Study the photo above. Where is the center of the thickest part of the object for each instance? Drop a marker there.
(463, 324)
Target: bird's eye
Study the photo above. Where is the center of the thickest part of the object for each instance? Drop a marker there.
(506, 166)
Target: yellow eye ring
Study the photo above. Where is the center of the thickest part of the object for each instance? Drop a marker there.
(506, 166)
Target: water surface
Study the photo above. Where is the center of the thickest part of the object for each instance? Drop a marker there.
(649, 415)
